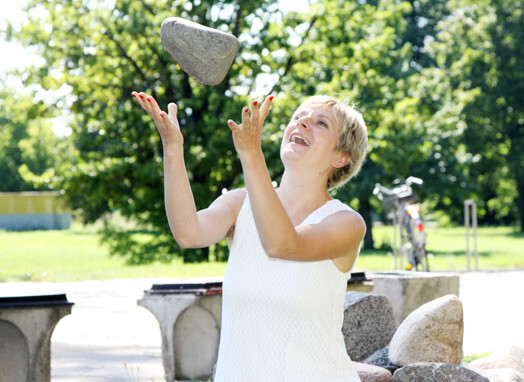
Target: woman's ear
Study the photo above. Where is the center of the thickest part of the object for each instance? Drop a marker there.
(341, 160)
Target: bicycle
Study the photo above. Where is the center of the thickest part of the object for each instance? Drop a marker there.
(400, 207)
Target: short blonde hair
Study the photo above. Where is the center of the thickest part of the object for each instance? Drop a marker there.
(352, 137)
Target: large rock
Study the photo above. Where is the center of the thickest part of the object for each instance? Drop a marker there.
(407, 291)
(381, 358)
(432, 333)
(368, 324)
(371, 373)
(204, 53)
(512, 357)
(500, 375)
(436, 372)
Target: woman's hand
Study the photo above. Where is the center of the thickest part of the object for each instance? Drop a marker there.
(167, 124)
(247, 135)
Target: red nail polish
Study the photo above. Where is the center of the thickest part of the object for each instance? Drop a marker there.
(271, 98)
(255, 103)
(245, 110)
(133, 95)
(141, 96)
(148, 100)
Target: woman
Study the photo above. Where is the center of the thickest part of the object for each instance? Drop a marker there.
(291, 248)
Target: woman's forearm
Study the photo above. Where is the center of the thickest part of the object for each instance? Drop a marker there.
(180, 204)
(274, 225)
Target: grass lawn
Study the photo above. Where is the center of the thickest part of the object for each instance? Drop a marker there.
(75, 255)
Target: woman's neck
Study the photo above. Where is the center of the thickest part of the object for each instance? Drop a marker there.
(298, 193)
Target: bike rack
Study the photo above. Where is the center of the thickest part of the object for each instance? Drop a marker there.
(471, 219)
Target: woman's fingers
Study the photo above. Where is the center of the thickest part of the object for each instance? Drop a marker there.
(254, 113)
(264, 109)
(153, 105)
(172, 110)
(233, 126)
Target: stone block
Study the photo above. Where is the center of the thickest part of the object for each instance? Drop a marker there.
(206, 54)
(437, 372)
(432, 333)
(406, 291)
(368, 324)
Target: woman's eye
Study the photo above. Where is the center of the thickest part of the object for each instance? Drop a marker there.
(322, 123)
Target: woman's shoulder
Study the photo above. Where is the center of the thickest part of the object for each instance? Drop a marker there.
(233, 199)
(344, 215)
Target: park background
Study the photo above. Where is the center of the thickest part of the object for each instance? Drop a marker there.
(440, 84)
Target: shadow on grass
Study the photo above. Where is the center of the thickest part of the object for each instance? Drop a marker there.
(516, 235)
(458, 253)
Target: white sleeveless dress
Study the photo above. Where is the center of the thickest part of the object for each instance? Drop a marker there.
(281, 320)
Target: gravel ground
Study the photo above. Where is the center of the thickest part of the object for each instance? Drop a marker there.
(109, 338)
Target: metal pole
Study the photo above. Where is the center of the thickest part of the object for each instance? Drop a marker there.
(471, 219)
(395, 252)
(466, 226)
(474, 217)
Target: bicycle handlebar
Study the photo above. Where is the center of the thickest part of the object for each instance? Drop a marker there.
(403, 188)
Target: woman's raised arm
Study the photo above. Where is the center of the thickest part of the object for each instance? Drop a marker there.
(190, 228)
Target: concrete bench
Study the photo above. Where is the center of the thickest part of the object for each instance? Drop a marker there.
(26, 325)
(189, 315)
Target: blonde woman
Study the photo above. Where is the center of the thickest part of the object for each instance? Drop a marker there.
(291, 248)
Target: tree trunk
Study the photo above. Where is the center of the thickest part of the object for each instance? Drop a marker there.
(520, 201)
(365, 211)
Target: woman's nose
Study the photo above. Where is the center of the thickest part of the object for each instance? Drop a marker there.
(304, 122)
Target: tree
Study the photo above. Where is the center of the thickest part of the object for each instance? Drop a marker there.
(372, 52)
(104, 53)
(27, 142)
(479, 48)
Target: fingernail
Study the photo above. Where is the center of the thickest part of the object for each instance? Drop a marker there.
(141, 96)
(271, 98)
(148, 99)
(245, 110)
(230, 122)
(255, 103)
(133, 95)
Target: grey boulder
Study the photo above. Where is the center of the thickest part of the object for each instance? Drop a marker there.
(437, 372)
(381, 358)
(206, 54)
(368, 324)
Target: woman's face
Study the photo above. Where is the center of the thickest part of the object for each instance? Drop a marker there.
(311, 136)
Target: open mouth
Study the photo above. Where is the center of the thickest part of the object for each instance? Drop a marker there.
(299, 140)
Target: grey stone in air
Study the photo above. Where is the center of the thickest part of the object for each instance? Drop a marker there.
(206, 54)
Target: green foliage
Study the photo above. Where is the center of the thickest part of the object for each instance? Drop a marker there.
(28, 146)
(480, 51)
(440, 85)
(103, 53)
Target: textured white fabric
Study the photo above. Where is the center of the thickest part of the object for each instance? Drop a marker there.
(281, 320)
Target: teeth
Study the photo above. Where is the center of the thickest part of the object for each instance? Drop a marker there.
(296, 137)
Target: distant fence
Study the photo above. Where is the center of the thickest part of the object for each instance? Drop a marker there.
(38, 210)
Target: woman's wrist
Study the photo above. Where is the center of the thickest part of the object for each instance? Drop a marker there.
(252, 158)
(173, 149)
